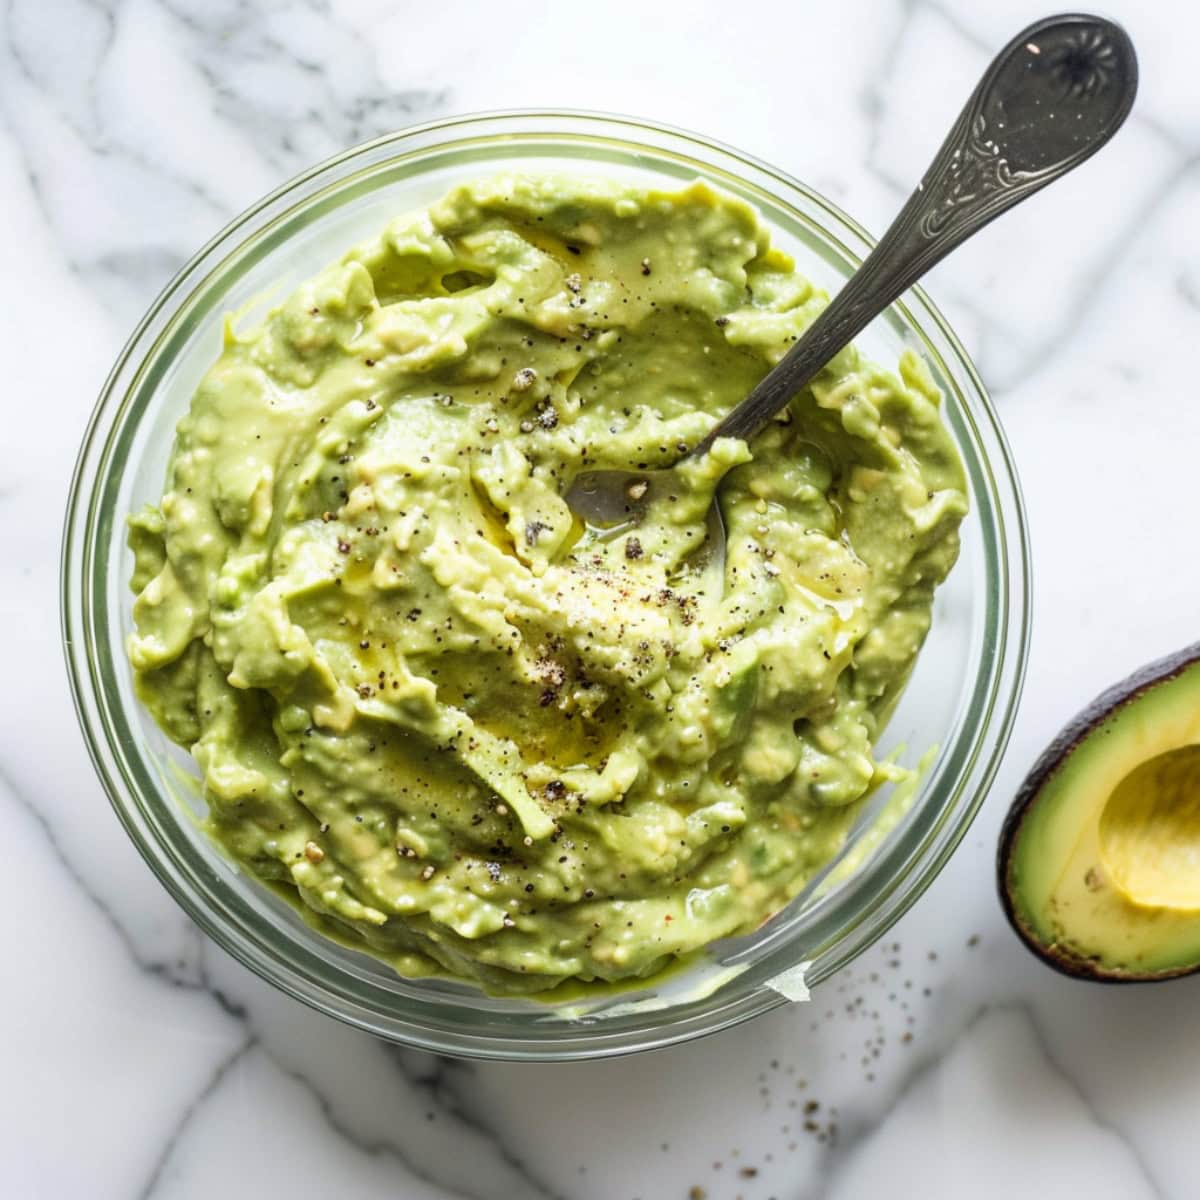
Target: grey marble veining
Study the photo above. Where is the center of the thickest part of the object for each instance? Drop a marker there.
(143, 1062)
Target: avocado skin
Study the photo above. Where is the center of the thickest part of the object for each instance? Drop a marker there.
(1069, 737)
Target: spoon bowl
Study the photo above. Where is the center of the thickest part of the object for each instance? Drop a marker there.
(610, 502)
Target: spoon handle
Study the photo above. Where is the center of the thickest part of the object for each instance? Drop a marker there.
(1050, 99)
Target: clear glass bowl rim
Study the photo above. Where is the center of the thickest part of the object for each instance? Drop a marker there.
(1007, 643)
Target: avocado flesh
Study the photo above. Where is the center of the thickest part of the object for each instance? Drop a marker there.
(1100, 856)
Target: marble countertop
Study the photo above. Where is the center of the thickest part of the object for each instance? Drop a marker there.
(140, 1061)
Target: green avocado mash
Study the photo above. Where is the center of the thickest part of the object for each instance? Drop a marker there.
(465, 733)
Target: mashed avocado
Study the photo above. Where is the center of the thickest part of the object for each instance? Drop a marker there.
(465, 733)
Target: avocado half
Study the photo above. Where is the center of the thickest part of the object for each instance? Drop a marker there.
(1099, 857)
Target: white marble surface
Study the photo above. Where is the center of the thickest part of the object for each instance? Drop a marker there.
(140, 1061)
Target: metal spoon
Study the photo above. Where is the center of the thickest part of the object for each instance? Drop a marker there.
(1050, 99)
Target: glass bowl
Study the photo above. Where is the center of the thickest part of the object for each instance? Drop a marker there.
(961, 698)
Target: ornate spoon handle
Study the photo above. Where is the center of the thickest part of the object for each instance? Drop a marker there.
(1050, 99)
